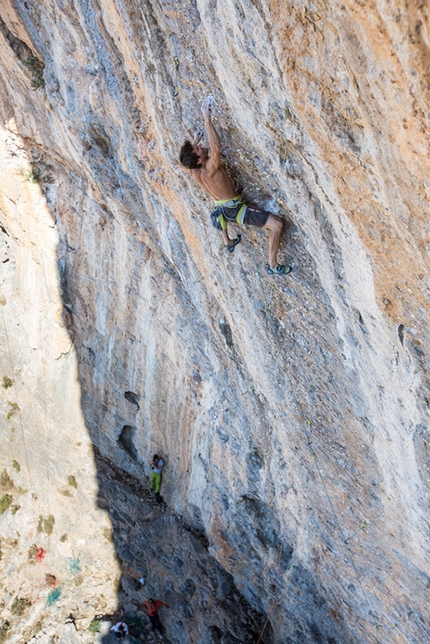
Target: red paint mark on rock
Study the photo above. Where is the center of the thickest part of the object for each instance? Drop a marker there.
(40, 554)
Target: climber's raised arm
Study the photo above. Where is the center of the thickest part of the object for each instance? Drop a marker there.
(213, 138)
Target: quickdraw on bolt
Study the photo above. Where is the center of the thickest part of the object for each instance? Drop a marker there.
(175, 76)
(363, 525)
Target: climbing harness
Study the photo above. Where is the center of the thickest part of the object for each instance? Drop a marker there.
(175, 76)
(226, 210)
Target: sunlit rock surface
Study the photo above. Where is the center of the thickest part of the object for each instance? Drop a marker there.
(292, 413)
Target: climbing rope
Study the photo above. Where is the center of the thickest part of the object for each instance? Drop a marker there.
(274, 594)
(305, 426)
(248, 416)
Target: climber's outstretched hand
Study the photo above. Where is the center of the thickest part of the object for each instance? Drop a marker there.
(198, 136)
(207, 105)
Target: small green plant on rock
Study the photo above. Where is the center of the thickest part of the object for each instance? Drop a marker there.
(36, 67)
(14, 407)
(94, 627)
(32, 177)
(46, 525)
(72, 481)
(19, 605)
(16, 466)
(5, 502)
(49, 524)
(6, 483)
(36, 629)
(108, 535)
(7, 382)
(3, 631)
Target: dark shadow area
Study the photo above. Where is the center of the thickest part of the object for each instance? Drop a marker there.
(126, 441)
(157, 543)
(132, 398)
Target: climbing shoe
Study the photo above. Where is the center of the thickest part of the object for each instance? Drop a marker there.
(281, 269)
(234, 242)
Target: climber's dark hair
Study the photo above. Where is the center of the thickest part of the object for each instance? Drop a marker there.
(188, 157)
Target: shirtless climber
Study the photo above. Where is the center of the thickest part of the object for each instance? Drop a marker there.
(213, 178)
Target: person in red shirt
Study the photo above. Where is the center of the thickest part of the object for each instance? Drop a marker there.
(153, 606)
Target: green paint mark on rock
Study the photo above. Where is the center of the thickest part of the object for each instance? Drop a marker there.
(74, 566)
(53, 597)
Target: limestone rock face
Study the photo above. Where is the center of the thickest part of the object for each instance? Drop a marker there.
(293, 413)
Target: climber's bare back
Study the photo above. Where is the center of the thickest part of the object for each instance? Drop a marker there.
(215, 182)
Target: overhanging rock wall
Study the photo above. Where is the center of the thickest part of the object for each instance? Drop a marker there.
(292, 414)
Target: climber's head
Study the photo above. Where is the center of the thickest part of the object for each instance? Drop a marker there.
(150, 600)
(192, 156)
